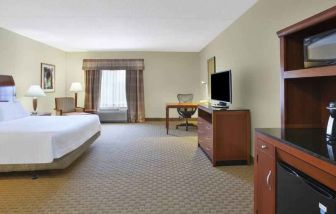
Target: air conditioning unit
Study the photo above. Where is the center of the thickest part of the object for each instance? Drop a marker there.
(113, 115)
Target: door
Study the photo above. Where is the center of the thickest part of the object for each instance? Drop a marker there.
(264, 183)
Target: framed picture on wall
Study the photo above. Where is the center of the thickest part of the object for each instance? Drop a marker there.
(48, 77)
(211, 70)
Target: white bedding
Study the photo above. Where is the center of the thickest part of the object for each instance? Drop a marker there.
(41, 139)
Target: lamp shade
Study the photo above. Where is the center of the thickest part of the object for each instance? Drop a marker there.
(76, 87)
(35, 91)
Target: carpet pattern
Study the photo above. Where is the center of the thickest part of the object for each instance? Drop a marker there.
(134, 168)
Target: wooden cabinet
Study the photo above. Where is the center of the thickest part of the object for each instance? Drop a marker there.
(224, 135)
(305, 92)
(274, 145)
(303, 106)
(264, 178)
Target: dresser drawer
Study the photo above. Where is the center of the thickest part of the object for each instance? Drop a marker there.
(208, 151)
(265, 147)
(207, 145)
(208, 128)
(205, 136)
(204, 127)
(205, 141)
(201, 123)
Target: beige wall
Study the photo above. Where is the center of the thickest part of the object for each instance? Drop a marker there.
(166, 74)
(22, 57)
(250, 47)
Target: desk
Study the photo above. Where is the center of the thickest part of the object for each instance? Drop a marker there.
(177, 105)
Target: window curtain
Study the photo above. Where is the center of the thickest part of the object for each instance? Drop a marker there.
(92, 89)
(134, 84)
(135, 96)
(113, 64)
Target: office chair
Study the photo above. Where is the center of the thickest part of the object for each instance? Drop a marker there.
(186, 112)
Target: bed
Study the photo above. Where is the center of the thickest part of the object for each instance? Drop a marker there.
(33, 143)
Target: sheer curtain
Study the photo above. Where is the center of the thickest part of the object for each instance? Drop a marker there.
(113, 89)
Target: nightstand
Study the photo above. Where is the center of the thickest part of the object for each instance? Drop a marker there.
(90, 111)
(41, 114)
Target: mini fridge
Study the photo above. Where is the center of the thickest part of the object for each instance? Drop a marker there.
(298, 193)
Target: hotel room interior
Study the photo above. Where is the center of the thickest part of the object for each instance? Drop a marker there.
(157, 106)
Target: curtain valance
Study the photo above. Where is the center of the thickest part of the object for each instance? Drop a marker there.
(113, 64)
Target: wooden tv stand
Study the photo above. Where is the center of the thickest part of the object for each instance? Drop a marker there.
(224, 135)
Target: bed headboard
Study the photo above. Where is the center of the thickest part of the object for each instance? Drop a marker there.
(7, 88)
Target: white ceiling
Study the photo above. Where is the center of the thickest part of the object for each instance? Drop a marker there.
(123, 25)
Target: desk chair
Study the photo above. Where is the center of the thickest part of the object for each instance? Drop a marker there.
(186, 112)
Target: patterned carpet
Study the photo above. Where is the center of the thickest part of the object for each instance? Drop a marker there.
(134, 168)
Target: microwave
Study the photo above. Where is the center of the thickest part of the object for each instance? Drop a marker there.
(320, 49)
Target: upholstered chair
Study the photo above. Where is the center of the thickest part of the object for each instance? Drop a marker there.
(66, 106)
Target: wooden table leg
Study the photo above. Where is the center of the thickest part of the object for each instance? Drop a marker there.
(167, 119)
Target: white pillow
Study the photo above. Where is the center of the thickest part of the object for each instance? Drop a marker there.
(12, 110)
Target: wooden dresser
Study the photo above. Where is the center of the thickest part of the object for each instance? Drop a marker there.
(224, 135)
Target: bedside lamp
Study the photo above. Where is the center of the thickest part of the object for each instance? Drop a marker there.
(76, 87)
(35, 91)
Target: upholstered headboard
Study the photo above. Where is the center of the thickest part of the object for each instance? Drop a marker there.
(7, 88)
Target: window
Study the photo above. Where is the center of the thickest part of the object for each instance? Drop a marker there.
(113, 89)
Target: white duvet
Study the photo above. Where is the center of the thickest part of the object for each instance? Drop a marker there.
(41, 139)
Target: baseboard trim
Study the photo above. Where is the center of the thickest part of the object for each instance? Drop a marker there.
(156, 119)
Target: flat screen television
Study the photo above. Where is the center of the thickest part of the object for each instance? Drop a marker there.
(221, 88)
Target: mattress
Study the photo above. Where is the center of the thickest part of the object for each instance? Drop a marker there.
(41, 139)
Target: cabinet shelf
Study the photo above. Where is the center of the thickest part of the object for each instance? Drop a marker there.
(305, 91)
(311, 72)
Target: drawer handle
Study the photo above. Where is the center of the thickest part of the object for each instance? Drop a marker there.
(263, 146)
(267, 180)
(207, 148)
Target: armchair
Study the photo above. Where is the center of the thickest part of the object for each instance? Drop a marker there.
(66, 106)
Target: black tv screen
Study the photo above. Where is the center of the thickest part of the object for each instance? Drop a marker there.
(221, 86)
